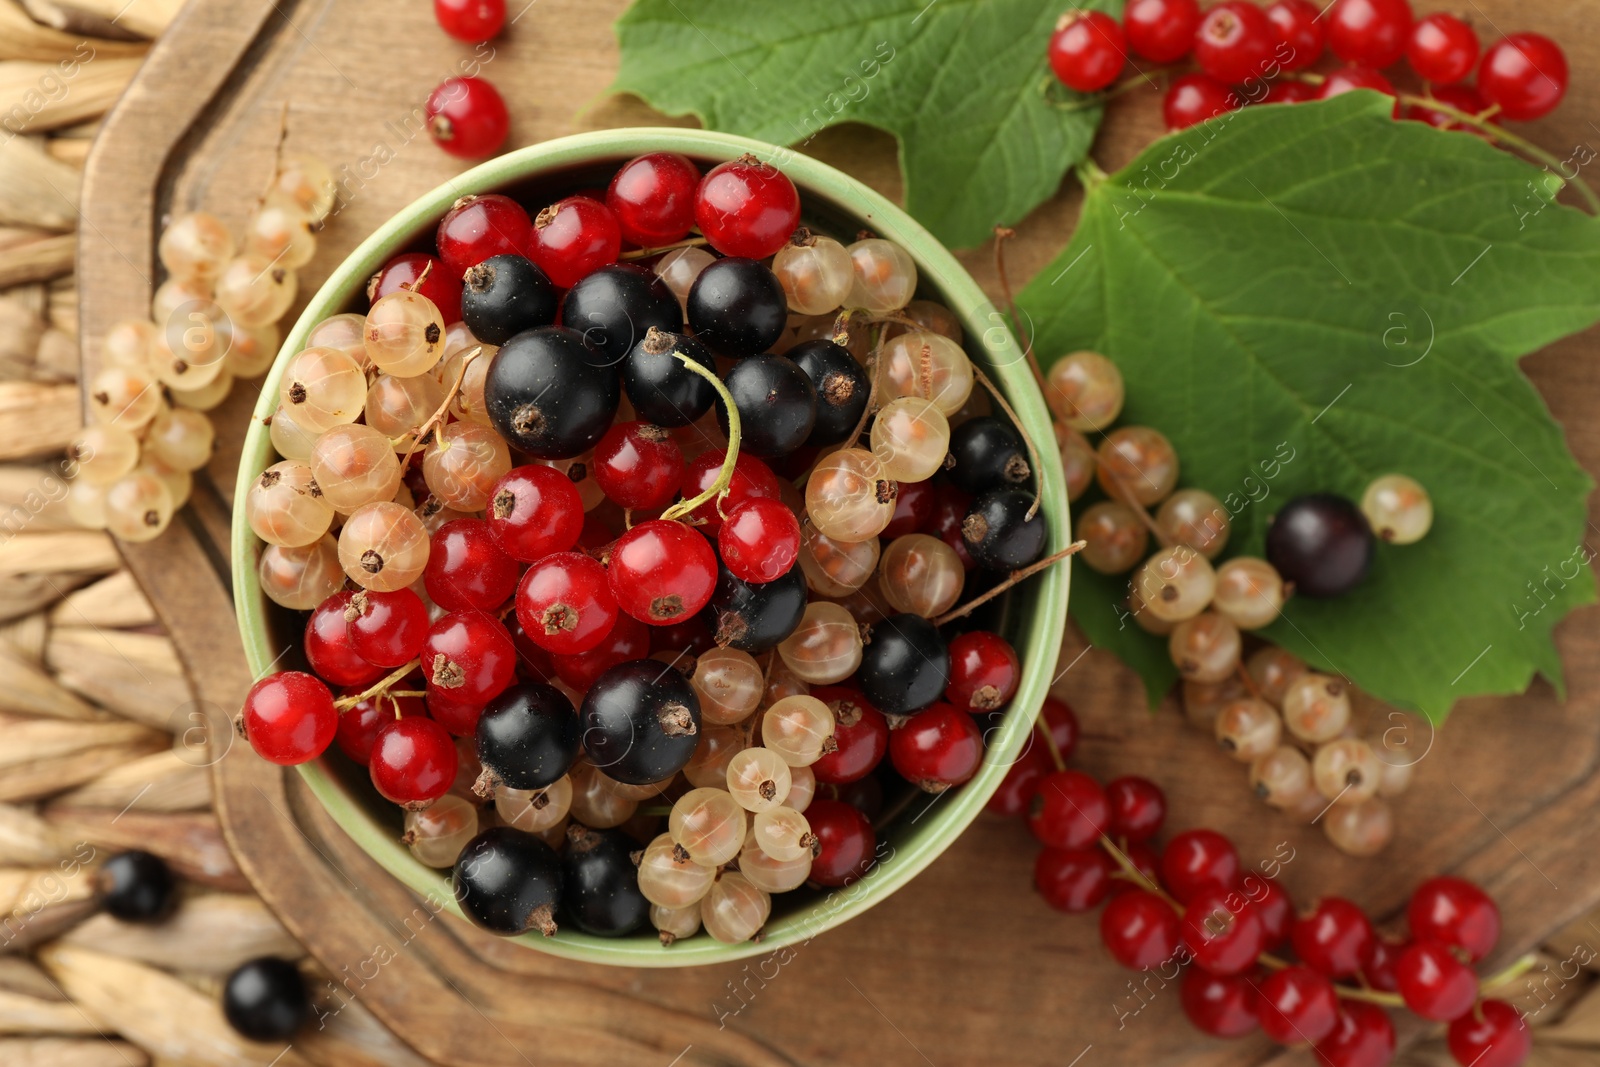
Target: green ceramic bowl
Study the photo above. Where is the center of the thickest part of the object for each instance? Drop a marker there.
(1033, 616)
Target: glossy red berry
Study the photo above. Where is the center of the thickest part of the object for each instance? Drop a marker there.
(1196, 860)
(1525, 74)
(652, 197)
(949, 512)
(1298, 1006)
(467, 568)
(627, 639)
(1140, 929)
(573, 238)
(1297, 26)
(330, 648)
(1378, 970)
(386, 629)
(468, 657)
(1455, 912)
(859, 730)
(1021, 783)
(1223, 931)
(1495, 1035)
(845, 843)
(751, 478)
(662, 572)
(1219, 1005)
(459, 718)
(1290, 92)
(759, 540)
(1235, 42)
(565, 604)
(467, 117)
(1073, 880)
(1087, 50)
(1161, 31)
(358, 725)
(1362, 1036)
(747, 208)
(1348, 79)
(1369, 33)
(1335, 938)
(936, 748)
(1138, 808)
(1195, 98)
(534, 511)
(289, 718)
(473, 21)
(477, 227)
(1442, 49)
(1273, 907)
(1057, 717)
(638, 466)
(913, 506)
(437, 283)
(1070, 810)
(1463, 98)
(984, 671)
(413, 761)
(1434, 983)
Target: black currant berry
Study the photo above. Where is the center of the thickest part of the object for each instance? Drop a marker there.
(663, 391)
(842, 388)
(600, 882)
(905, 665)
(548, 395)
(985, 454)
(1322, 543)
(737, 307)
(754, 617)
(527, 737)
(509, 882)
(777, 405)
(137, 887)
(641, 722)
(998, 533)
(504, 295)
(614, 308)
(266, 999)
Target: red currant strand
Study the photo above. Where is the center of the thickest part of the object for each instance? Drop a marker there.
(913, 506)
(573, 238)
(938, 747)
(1223, 932)
(477, 227)
(565, 604)
(1348, 79)
(1495, 1035)
(467, 568)
(386, 629)
(860, 731)
(1334, 938)
(1070, 810)
(1298, 1006)
(1442, 49)
(845, 843)
(1196, 860)
(467, 117)
(472, 21)
(1062, 724)
(1145, 860)
(1138, 808)
(652, 198)
(638, 466)
(289, 718)
(1454, 912)
(1195, 98)
(747, 208)
(1362, 1036)
(627, 639)
(662, 571)
(468, 657)
(330, 649)
(1140, 929)
(1369, 33)
(1434, 983)
(759, 540)
(984, 671)
(1461, 97)
(359, 723)
(1073, 880)
(1087, 50)
(1525, 75)
(1235, 42)
(1272, 905)
(1290, 92)
(403, 272)
(1297, 25)
(1021, 783)
(1219, 1005)
(534, 511)
(413, 762)
(751, 478)
(1161, 31)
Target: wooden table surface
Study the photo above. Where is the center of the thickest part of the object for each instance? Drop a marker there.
(966, 965)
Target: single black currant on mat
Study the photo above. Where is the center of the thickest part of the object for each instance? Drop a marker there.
(266, 999)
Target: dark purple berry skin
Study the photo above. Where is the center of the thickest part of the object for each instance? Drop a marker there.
(549, 395)
(641, 721)
(509, 882)
(776, 401)
(615, 307)
(528, 736)
(266, 999)
(905, 665)
(755, 617)
(737, 308)
(137, 886)
(842, 388)
(663, 390)
(600, 884)
(1322, 543)
(985, 454)
(504, 295)
(999, 533)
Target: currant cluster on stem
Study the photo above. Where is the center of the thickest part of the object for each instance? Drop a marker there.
(1262, 54)
(566, 569)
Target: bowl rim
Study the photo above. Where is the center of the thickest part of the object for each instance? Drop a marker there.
(980, 319)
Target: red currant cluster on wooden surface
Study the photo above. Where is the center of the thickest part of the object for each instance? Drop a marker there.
(1238, 45)
(213, 320)
(1193, 913)
(466, 115)
(643, 553)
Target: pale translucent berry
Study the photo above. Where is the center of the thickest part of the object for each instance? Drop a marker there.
(1114, 535)
(180, 369)
(1346, 770)
(668, 877)
(1195, 518)
(280, 233)
(127, 345)
(708, 824)
(799, 729)
(1077, 460)
(1399, 744)
(138, 506)
(825, 648)
(182, 439)
(932, 316)
(308, 182)
(179, 483)
(323, 387)
(463, 465)
(1398, 508)
(885, 276)
(728, 683)
(383, 546)
(781, 683)
(285, 507)
(174, 293)
(86, 504)
(404, 333)
(1175, 584)
(1145, 619)
(1205, 648)
(675, 924)
(849, 496)
(207, 397)
(922, 575)
(926, 365)
(911, 438)
(816, 273)
(195, 247)
(1085, 390)
(1282, 777)
(734, 910)
(1248, 729)
(1362, 829)
(1316, 707)
(1138, 463)
(1249, 592)
(802, 789)
(437, 834)
(289, 438)
(354, 466)
(679, 268)
(783, 833)
(255, 291)
(758, 779)
(595, 803)
(468, 403)
(120, 396)
(103, 452)
(346, 333)
(535, 810)
(251, 349)
(300, 578)
(835, 568)
(1204, 701)
(396, 407)
(708, 767)
(773, 875)
(1272, 669)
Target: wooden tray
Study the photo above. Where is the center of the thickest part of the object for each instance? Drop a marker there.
(965, 965)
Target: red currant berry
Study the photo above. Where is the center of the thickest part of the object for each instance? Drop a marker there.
(638, 466)
(1146, 860)
(1362, 1036)
(937, 748)
(477, 227)
(534, 511)
(289, 718)
(1195, 98)
(751, 478)
(1073, 880)
(1455, 912)
(467, 117)
(1348, 79)
(573, 238)
(1196, 860)
(759, 540)
(1434, 983)
(1297, 24)
(386, 629)
(1062, 723)
(1087, 50)
(747, 208)
(459, 718)
(358, 724)
(1138, 807)
(330, 649)
(859, 729)
(534, 664)
(468, 657)
(472, 21)
(662, 572)
(1235, 42)
(1493, 1036)
(565, 603)
(1287, 92)
(1442, 49)
(1461, 97)
(1161, 31)
(467, 567)
(1021, 783)
(845, 843)
(1378, 970)
(1525, 74)
(1298, 1006)
(1335, 938)
(413, 762)
(949, 512)
(1070, 810)
(984, 671)
(439, 285)
(652, 197)
(1369, 33)
(1140, 929)
(1223, 931)
(913, 506)
(1273, 907)
(1219, 1005)
(628, 639)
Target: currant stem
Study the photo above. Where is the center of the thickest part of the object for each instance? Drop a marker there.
(416, 283)
(1049, 740)
(434, 421)
(646, 253)
(1519, 967)
(1002, 234)
(1124, 497)
(724, 476)
(872, 388)
(1134, 874)
(1012, 579)
(380, 686)
(1249, 682)
(1027, 439)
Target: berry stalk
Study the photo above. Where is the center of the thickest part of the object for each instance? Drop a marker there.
(1012, 579)
(380, 686)
(719, 487)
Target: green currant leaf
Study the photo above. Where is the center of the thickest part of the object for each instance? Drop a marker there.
(1304, 297)
(985, 130)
